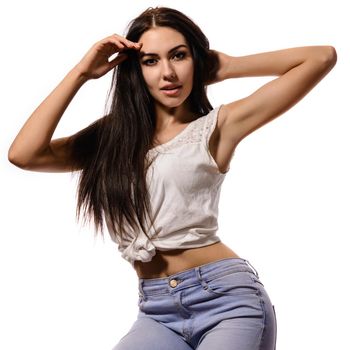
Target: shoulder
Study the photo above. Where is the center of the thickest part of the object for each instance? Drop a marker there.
(215, 122)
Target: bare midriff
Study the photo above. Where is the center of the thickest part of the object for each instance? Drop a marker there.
(166, 263)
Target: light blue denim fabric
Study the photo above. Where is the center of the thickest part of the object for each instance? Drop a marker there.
(222, 305)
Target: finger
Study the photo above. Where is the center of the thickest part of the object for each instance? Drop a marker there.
(119, 44)
(122, 43)
(111, 44)
(129, 43)
(138, 46)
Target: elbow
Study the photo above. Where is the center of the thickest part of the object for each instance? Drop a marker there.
(16, 160)
(324, 57)
(329, 56)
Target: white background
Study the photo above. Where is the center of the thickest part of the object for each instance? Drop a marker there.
(284, 204)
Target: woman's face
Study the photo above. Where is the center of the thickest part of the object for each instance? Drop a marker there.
(166, 62)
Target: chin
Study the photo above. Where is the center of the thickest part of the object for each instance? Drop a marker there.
(171, 102)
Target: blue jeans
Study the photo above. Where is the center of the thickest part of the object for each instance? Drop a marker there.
(217, 306)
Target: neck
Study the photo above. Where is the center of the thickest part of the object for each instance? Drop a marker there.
(167, 117)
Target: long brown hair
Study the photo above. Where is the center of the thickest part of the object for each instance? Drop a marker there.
(112, 151)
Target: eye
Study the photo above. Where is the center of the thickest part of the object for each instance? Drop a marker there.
(180, 54)
(147, 62)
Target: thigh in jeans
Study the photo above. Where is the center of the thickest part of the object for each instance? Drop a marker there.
(148, 334)
(252, 323)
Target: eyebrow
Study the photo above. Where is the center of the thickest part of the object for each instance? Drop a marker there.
(142, 54)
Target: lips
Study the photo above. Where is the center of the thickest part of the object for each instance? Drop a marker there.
(170, 87)
(172, 92)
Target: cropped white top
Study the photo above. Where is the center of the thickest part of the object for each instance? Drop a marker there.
(184, 184)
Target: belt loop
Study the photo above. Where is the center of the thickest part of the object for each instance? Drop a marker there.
(198, 273)
(199, 276)
(141, 293)
(249, 264)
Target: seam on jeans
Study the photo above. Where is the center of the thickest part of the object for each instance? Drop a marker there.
(256, 280)
(182, 310)
(156, 293)
(274, 311)
(201, 267)
(262, 303)
(252, 267)
(207, 288)
(188, 334)
(225, 272)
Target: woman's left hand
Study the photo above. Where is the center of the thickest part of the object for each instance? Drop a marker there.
(220, 68)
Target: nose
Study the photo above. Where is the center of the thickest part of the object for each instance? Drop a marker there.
(168, 70)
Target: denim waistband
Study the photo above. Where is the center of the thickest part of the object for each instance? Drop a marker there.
(193, 276)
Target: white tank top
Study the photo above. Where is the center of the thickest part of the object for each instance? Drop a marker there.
(184, 184)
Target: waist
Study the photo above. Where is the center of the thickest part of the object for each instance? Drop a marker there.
(193, 276)
(166, 263)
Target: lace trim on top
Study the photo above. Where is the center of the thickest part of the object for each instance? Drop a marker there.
(192, 133)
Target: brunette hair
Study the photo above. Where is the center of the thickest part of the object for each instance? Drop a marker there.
(112, 151)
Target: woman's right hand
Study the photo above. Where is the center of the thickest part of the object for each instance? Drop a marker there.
(95, 63)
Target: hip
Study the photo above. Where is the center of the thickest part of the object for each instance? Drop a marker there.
(225, 297)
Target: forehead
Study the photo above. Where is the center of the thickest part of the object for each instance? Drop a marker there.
(161, 39)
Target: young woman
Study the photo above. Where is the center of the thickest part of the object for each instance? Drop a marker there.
(152, 167)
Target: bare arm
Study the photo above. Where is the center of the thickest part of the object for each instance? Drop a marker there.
(299, 70)
(32, 149)
(271, 63)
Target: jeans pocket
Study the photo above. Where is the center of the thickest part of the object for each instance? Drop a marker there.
(232, 284)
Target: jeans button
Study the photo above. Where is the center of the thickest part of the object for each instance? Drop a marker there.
(173, 283)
